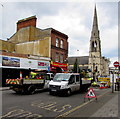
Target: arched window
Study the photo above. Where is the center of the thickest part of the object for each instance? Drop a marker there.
(96, 68)
(94, 46)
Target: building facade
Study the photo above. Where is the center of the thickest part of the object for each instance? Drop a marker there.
(81, 60)
(31, 48)
(41, 42)
(98, 64)
(95, 62)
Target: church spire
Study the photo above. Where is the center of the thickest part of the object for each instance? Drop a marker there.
(95, 31)
(95, 45)
(95, 22)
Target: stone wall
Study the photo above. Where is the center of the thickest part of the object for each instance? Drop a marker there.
(7, 46)
(29, 34)
(39, 47)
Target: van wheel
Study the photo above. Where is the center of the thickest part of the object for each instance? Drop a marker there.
(68, 92)
(18, 92)
(50, 92)
(31, 90)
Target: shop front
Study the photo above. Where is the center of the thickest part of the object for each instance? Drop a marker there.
(12, 67)
(57, 67)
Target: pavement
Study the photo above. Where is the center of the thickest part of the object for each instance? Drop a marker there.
(110, 109)
(4, 88)
(106, 106)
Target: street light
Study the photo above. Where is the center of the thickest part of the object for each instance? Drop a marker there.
(77, 62)
(93, 71)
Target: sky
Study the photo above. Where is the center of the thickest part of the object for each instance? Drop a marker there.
(71, 17)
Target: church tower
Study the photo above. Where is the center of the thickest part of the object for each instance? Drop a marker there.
(95, 47)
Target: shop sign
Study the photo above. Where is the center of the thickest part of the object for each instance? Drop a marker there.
(43, 65)
(58, 64)
(10, 61)
(28, 63)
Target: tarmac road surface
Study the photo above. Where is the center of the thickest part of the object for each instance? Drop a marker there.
(42, 104)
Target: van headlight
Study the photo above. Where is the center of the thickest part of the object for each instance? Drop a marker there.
(64, 86)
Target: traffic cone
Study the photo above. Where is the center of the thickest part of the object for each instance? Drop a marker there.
(20, 75)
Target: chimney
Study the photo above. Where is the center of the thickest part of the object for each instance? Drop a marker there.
(30, 21)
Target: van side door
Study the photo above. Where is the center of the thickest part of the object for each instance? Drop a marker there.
(47, 80)
(71, 83)
(77, 77)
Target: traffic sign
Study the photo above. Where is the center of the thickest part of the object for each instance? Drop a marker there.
(90, 94)
(116, 64)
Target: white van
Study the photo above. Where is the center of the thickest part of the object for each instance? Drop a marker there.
(68, 83)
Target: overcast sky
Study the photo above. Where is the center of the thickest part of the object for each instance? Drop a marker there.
(75, 19)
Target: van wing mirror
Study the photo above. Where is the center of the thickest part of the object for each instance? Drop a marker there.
(71, 82)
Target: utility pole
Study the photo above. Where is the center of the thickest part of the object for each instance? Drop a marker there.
(93, 71)
(77, 62)
(113, 81)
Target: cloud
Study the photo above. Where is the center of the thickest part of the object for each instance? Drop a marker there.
(113, 60)
(72, 18)
(71, 21)
(109, 39)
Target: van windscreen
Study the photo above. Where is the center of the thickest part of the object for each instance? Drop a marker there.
(61, 77)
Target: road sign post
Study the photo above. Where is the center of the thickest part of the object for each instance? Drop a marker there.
(113, 81)
(116, 64)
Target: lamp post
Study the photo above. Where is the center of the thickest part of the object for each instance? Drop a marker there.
(93, 71)
(77, 62)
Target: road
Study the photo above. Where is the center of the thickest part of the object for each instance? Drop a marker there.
(41, 104)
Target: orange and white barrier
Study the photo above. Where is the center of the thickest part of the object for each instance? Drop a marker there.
(12, 81)
(102, 86)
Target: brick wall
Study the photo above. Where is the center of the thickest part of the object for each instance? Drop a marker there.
(31, 21)
(61, 51)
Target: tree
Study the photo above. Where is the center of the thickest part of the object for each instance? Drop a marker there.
(75, 68)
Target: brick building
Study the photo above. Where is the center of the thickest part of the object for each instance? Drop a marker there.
(41, 42)
(30, 46)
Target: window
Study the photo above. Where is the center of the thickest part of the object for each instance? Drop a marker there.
(47, 77)
(57, 42)
(61, 44)
(77, 78)
(72, 79)
(96, 69)
(57, 57)
(61, 58)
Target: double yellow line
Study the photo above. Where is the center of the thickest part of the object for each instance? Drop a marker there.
(78, 107)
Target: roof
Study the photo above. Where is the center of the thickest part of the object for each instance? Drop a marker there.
(82, 60)
(56, 31)
(26, 19)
